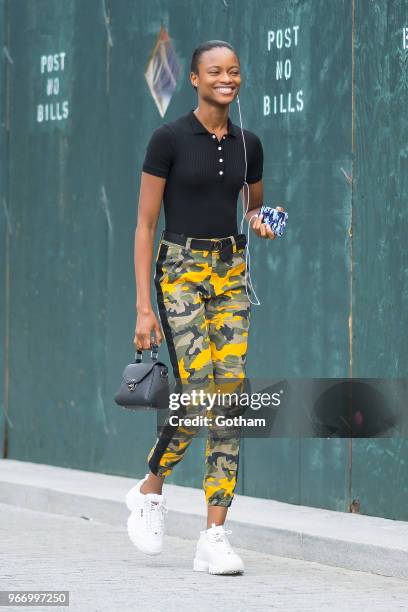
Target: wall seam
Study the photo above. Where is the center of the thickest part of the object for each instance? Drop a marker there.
(350, 321)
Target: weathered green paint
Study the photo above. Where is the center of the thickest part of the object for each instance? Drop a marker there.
(4, 227)
(379, 468)
(71, 189)
(304, 282)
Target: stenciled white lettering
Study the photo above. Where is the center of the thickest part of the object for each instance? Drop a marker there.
(289, 101)
(54, 110)
(280, 38)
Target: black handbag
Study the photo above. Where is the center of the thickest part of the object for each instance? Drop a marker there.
(144, 385)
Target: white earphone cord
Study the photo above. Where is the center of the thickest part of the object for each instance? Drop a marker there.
(248, 281)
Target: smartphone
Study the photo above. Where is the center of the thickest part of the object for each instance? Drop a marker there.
(274, 218)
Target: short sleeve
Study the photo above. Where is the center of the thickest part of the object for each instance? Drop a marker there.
(255, 163)
(159, 152)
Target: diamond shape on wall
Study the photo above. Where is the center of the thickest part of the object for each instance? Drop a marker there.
(162, 72)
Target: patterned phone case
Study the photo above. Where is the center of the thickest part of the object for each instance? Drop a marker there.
(276, 219)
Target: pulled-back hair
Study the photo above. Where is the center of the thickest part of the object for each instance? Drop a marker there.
(206, 46)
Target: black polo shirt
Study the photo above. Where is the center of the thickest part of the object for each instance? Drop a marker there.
(204, 175)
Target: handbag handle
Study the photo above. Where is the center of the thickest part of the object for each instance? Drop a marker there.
(154, 351)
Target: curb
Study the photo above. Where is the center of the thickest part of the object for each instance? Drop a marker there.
(339, 539)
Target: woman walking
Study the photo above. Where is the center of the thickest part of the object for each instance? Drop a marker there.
(196, 165)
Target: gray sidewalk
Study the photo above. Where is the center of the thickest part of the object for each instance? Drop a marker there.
(349, 541)
(103, 571)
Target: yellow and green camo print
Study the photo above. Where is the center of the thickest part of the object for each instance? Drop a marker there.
(205, 315)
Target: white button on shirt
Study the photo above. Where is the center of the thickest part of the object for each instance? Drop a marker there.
(221, 172)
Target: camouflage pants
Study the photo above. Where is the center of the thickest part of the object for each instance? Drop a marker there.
(205, 315)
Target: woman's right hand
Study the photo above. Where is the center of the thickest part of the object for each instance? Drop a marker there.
(146, 323)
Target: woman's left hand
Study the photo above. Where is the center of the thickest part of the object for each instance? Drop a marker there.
(263, 230)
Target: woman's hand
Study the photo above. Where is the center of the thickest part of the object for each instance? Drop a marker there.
(146, 323)
(263, 230)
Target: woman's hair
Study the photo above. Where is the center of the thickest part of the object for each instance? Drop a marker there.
(206, 46)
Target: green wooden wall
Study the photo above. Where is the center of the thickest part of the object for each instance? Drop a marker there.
(379, 468)
(335, 288)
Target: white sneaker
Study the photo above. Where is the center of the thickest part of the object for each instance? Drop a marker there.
(214, 553)
(145, 524)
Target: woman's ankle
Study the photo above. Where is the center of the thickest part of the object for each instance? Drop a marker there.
(145, 489)
(154, 484)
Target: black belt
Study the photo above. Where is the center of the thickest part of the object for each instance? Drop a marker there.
(224, 245)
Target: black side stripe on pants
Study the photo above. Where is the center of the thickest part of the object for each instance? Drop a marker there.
(168, 430)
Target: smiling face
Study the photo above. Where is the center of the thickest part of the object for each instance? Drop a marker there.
(219, 76)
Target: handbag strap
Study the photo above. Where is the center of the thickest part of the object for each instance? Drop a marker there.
(154, 352)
